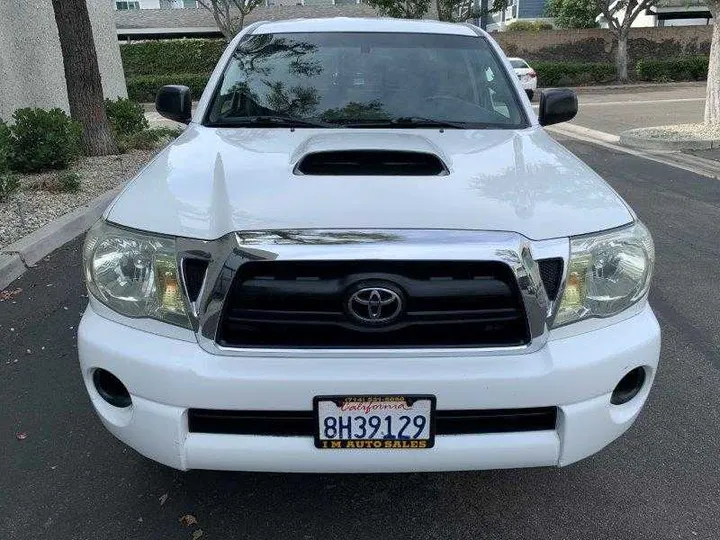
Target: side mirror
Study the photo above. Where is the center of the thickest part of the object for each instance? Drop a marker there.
(558, 105)
(174, 102)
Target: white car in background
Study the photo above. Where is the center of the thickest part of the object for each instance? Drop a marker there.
(526, 74)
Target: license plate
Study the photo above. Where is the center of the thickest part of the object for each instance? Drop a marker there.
(375, 422)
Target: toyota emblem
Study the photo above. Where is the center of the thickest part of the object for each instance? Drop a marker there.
(375, 305)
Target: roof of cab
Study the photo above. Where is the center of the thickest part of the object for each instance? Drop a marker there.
(353, 24)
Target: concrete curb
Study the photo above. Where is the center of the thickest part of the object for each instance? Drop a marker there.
(631, 87)
(26, 252)
(585, 132)
(635, 139)
(685, 162)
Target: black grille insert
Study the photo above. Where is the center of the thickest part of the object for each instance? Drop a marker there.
(302, 423)
(371, 163)
(305, 304)
(194, 272)
(551, 272)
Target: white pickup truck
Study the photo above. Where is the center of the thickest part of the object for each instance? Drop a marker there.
(365, 254)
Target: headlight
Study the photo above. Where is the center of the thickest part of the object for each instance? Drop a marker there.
(134, 273)
(607, 273)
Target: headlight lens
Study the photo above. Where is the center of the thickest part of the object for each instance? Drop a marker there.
(607, 273)
(134, 273)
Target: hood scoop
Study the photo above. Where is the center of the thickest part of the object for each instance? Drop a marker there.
(371, 163)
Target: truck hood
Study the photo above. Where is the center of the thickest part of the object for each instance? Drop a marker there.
(212, 181)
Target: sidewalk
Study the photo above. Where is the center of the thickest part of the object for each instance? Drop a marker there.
(713, 154)
(635, 87)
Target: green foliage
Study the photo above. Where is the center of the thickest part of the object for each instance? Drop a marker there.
(41, 139)
(68, 181)
(125, 116)
(528, 26)
(401, 9)
(691, 68)
(152, 64)
(573, 13)
(552, 74)
(9, 184)
(149, 139)
(168, 57)
(355, 110)
(143, 88)
(4, 147)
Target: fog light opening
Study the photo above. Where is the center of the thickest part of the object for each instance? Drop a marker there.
(111, 389)
(628, 387)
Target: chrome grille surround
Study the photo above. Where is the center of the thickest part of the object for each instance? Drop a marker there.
(229, 252)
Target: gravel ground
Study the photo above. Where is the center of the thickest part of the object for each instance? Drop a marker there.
(37, 204)
(681, 132)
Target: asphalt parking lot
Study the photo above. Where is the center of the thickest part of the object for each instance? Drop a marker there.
(617, 109)
(70, 479)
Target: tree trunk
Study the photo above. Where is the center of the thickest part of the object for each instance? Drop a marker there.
(621, 56)
(484, 14)
(221, 14)
(712, 94)
(82, 76)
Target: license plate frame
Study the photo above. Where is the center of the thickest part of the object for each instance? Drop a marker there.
(370, 444)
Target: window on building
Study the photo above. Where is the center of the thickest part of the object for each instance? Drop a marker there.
(176, 4)
(127, 5)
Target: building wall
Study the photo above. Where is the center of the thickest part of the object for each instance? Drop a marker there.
(31, 65)
(530, 9)
(29, 74)
(598, 45)
(642, 20)
(102, 19)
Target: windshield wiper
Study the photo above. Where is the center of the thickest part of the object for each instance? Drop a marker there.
(270, 120)
(405, 122)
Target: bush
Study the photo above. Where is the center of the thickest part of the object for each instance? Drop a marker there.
(149, 139)
(9, 184)
(528, 26)
(125, 116)
(143, 88)
(41, 139)
(573, 73)
(168, 57)
(68, 181)
(691, 68)
(4, 147)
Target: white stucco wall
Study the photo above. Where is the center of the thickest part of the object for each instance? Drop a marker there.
(31, 66)
(643, 19)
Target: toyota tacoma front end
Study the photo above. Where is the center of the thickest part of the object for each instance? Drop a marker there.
(364, 254)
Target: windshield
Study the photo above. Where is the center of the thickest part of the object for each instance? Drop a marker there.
(365, 79)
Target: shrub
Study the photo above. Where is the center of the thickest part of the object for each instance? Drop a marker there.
(691, 68)
(573, 73)
(4, 147)
(68, 181)
(149, 139)
(125, 116)
(168, 57)
(41, 139)
(528, 26)
(9, 184)
(143, 88)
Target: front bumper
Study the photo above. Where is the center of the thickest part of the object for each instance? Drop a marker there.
(167, 376)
